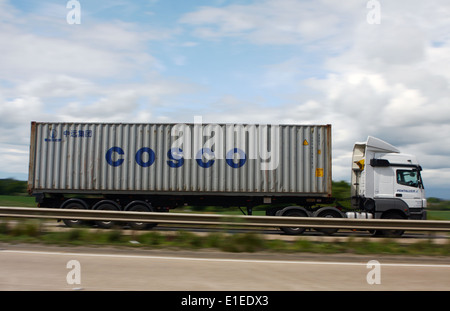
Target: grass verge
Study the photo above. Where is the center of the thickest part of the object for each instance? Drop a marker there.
(32, 232)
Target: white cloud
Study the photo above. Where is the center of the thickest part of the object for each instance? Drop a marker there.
(390, 80)
(57, 85)
(28, 54)
(14, 116)
(15, 156)
(283, 22)
(52, 71)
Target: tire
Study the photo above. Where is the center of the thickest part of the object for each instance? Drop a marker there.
(74, 222)
(328, 214)
(106, 224)
(391, 233)
(293, 230)
(140, 225)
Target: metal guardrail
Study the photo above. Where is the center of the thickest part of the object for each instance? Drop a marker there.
(237, 220)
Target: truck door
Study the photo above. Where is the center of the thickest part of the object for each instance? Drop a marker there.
(384, 182)
(409, 187)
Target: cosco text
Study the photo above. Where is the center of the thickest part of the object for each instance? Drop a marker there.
(205, 157)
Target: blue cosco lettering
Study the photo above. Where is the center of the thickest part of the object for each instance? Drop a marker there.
(151, 157)
(175, 156)
(242, 160)
(109, 154)
(200, 156)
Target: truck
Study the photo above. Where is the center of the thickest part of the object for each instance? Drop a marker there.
(284, 169)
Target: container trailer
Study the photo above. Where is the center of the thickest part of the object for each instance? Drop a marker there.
(157, 167)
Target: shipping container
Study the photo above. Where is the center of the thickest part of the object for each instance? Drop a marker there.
(181, 159)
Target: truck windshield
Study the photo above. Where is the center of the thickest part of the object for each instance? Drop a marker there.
(408, 178)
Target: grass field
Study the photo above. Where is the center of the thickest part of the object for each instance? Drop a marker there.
(17, 201)
(31, 231)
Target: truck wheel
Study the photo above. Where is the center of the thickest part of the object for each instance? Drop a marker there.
(106, 224)
(391, 233)
(328, 214)
(293, 230)
(140, 225)
(74, 222)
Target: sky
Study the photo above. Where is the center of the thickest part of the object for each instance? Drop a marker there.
(378, 68)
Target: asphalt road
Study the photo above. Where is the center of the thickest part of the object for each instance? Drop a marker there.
(38, 268)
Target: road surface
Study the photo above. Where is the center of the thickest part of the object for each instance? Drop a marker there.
(38, 268)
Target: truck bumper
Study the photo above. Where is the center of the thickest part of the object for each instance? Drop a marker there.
(418, 214)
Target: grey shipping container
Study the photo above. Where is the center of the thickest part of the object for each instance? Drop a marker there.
(181, 159)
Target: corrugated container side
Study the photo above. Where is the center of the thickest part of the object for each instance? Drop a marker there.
(181, 158)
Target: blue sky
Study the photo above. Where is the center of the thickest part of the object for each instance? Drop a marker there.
(285, 61)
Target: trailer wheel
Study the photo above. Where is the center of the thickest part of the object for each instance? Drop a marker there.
(293, 230)
(74, 222)
(140, 225)
(106, 224)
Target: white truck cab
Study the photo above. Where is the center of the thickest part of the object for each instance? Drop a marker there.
(386, 183)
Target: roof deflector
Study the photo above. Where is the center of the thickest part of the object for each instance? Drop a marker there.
(378, 145)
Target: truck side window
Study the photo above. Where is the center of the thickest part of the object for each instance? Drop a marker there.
(408, 178)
